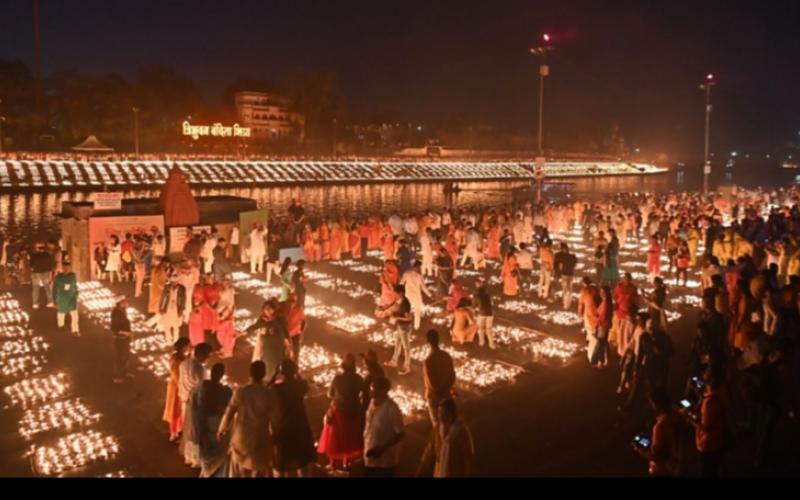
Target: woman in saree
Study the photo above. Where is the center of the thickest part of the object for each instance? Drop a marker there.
(209, 402)
(509, 274)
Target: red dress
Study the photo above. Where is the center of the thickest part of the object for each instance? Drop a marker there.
(654, 260)
(342, 436)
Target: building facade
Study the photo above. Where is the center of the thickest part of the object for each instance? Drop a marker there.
(269, 116)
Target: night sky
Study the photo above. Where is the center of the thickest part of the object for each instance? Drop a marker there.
(636, 63)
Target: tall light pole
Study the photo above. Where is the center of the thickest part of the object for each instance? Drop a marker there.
(706, 161)
(136, 130)
(37, 60)
(544, 71)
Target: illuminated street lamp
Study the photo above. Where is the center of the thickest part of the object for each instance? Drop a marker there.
(706, 86)
(544, 71)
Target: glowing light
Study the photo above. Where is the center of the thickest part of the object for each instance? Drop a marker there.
(315, 356)
(32, 345)
(157, 364)
(383, 337)
(410, 402)
(23, 366)
(215, 130)
(508, 335)
(553, 348)
(62, 415)
(153, 343)
(29, 392)
(687, 300)
(10, 332)
(73, 452)
(486, 374)
(563, 318)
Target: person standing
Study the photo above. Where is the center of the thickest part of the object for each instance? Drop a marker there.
(209, 402)
(294, 316)
(605, 315)
(663, 453)
(564, 266)
(426, 246)
(383, 432)
(271, 341)
(191, 374)
(509, 274)
(233, 248)
(709, 424)
(173, 410)
(137, 264)
(546, 264)
(525, 263)
(415, 286)
(285, 277)
(65, 293)
(158, 280)
(222, 266)
(159, 247)
(114, 260)
(171, 308)
(226, 329)
(42, 267)
(257, 250)
(298, 283)
(401, 319)
(121, 330)
(294, 443)
(450, 451)
(485, 317)
(247, 419)
(342, 438)
(439, 376)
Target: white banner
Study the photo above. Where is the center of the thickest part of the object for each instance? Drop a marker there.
(107, 201)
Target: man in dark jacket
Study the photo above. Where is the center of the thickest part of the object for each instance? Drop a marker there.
(121, 330)
(42, 267)
(221, 265)
(483, 306)
(564, 267)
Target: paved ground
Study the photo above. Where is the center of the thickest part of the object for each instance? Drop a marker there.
(554, 420)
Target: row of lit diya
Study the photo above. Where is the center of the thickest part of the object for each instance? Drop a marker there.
(47, 402)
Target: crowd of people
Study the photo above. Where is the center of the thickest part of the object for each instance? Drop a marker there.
(743, 370)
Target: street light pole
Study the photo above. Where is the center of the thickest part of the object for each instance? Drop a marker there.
(544, 71)
(136, 130)
(706, 160)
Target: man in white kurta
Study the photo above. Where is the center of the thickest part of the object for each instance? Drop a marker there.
(415, 286)
(257, 249)
(426, 245)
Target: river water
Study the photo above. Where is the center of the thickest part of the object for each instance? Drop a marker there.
(29, 216)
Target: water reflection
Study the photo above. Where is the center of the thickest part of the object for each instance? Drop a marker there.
(35, 215)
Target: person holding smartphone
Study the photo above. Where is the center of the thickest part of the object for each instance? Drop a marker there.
(662, 454)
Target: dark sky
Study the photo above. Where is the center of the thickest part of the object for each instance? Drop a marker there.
(637, 63)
